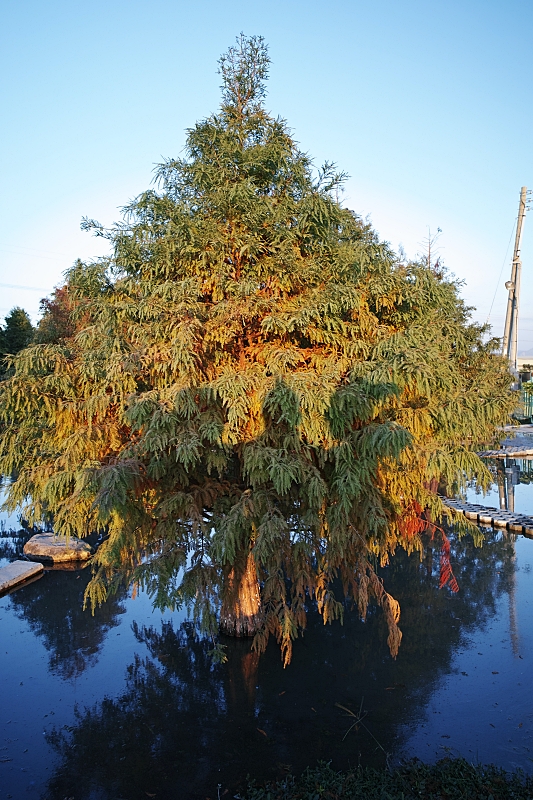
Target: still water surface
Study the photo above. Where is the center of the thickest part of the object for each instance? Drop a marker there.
(126, 704)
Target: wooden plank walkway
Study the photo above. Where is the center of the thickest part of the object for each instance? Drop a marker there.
(496, 518)
(18, 573)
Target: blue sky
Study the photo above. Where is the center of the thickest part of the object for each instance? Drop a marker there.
(427, 106)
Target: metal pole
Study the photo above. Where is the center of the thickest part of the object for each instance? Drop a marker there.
(510, 335)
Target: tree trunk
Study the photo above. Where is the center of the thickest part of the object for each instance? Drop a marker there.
(241, 607)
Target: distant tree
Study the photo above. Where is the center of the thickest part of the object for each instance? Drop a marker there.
(260, 398)
(15, 335)
(57, 320)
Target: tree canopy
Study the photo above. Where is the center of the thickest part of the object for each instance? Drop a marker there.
(16, 334)
(252, 387)
(56, 317)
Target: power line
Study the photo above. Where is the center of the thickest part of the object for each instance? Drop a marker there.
(29, 288)
(35, 249)
(501, 272)
(32, 255)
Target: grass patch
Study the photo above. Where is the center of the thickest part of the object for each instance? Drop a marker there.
(449, 779)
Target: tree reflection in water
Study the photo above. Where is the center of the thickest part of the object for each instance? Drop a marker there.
(53, 609)
(184, 725)
(54, 612)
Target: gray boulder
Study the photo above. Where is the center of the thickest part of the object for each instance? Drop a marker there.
(49, 548)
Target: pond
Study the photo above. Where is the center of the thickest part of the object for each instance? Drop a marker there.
(127, 704)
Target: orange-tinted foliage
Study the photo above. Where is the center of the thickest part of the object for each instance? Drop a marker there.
(412, 521)
(446, 573)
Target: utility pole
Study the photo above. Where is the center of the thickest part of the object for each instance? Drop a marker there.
(510, 335)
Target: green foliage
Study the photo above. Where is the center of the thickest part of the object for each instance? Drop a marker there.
(16, 334)
(244, 70)
(449, 778)
(251, 369)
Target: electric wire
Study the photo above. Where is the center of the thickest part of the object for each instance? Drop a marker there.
(29, 255)
(38, 250)
(29, 288)
(501, 272)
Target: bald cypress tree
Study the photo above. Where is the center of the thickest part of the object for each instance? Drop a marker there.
(257, 399)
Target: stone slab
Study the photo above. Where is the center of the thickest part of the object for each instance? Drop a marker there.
(517, 527)
(48, 548)
(17, 573)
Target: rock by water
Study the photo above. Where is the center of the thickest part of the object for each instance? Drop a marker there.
(54, 549)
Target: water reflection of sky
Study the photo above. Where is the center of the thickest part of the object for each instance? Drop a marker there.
(7, 521)
(127, 703)
(523, 498)
(483, 707)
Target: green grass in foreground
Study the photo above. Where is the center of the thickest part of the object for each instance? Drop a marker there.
(449, 779)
